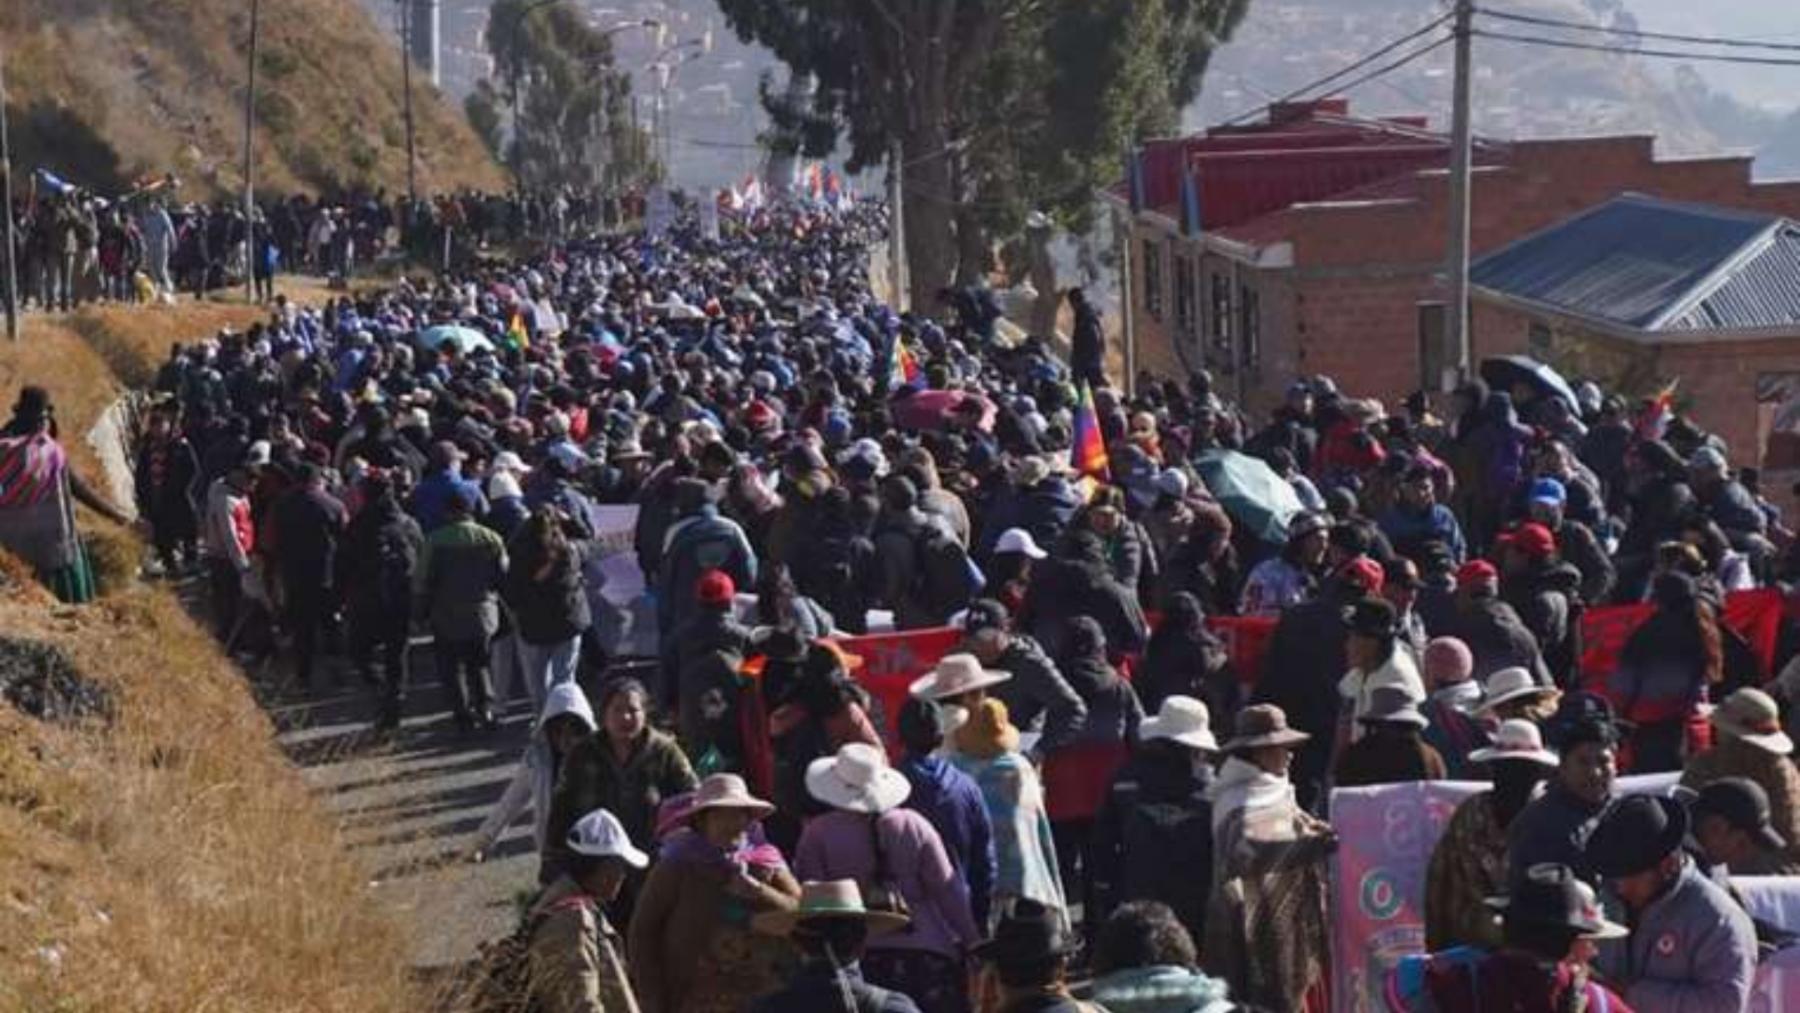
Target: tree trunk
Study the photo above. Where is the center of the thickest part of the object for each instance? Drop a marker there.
(930, 212)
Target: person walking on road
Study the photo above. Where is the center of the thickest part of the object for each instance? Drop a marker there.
(458, 588)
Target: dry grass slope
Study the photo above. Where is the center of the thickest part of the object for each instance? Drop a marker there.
(174, 861)
(105, 90)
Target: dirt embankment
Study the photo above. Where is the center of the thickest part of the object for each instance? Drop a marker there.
(158, 853)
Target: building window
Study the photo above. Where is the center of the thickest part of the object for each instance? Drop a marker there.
(1250, 312)
(1220, 310)
(1185, 297)
(1153, 279)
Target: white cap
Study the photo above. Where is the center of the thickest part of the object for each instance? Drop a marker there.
(1019, 540)
(507, 460)
(258, 454)
(600, 835)
(503, 484)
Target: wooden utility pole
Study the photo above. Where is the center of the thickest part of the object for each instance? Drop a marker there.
(897, 279)
(6, 184)
(406, 62)
(249, 168)
(1456, 314)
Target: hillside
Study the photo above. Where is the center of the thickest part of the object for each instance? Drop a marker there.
(103, 91)
(164, 856)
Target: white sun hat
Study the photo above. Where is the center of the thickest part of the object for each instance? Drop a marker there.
(955, 675)
(1515, 740)
(1181, 719)
(1504, 685)
(858, 779)
(600, 834)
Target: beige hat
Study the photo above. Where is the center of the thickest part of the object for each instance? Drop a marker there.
(1751, 715)
(1264, 724)
(1515, 739)
(955, 675)
(1504, 685)
(836, 899)
(858, 779)
(1184, 720)
(726, 791)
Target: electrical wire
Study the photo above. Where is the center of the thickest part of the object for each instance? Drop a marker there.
(1349, 69)
(1576, 26)
(1671, 54)
(1391, 67)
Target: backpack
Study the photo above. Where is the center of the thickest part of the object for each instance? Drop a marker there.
(944, 578)
(499, 978)
(394, 562)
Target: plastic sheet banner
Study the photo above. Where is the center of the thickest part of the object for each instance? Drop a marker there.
(624, 610)
(1386, 836)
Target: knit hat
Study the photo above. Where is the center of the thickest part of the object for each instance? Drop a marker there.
(1447, 660)
(987, 733)
(715, 587)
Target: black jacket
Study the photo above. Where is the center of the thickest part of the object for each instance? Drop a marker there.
(1156, 808)
(1497, 638)
(550, 610)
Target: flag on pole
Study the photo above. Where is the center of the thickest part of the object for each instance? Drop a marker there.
(1191, 222)
(1656, 415)
(903, 368)
(516, 333)
(1088, 454)
(55, 182)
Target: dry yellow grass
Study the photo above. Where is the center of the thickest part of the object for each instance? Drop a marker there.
(174, 861)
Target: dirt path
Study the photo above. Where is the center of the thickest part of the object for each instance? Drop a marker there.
(409, 808)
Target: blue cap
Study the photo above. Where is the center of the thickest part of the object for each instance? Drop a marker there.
(1549, 490)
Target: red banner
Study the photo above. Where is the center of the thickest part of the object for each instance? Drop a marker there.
(891, 661)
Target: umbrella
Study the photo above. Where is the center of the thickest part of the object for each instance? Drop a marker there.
(932, 409)
(466, 339)
(1503, 371)
(1257, 499)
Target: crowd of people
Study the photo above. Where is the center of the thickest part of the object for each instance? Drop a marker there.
(1085, 789)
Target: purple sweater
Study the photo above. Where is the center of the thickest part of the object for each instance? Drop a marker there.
(838, 845)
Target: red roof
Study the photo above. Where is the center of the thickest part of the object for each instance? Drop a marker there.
(1304, 152)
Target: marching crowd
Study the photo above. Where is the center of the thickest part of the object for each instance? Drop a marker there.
(1082, 806)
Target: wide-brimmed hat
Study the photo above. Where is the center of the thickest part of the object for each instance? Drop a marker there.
(955, 675)
(832, 900)
(1183, 720)
(1751, 715)
(725, 791)
(1742, 804)
(1635, 834)
(1506, 685)
(858, 779)
(1031, 931)
(1553, 896)
(1515, 739)
(599, 834)
(1394, 704)
(1263, 724)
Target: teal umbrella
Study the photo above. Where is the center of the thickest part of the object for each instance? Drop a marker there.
(1257, 499)
(466, 339)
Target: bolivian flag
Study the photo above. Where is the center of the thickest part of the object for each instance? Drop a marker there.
(903, 368)
(1088, 455)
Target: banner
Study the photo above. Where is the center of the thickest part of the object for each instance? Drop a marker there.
(891, 661)
(619, 597)
(1386, 835)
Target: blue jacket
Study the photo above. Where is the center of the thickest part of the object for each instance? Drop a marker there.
(430, 504)
(1693, 950)
(951, 802)
(695, 544)
(1408, 529)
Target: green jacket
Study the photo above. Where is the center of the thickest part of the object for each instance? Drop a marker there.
(593, 778)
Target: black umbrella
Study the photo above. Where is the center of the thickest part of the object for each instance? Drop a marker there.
(1503, 371)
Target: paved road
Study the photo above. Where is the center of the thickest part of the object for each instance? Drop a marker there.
(408, 808)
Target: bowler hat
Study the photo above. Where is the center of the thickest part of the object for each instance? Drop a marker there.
(1635, 834)
(1031, 931)
(1261, 725)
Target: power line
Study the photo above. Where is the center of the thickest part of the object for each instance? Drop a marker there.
(1576, 26)
(1395, 65)
(1350, 69)
(1673, 54)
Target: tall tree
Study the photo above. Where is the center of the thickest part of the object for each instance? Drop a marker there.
(995, 107)
(570, 107)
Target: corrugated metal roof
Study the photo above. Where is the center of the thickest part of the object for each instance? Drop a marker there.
(1764, 292)
(1637, 261)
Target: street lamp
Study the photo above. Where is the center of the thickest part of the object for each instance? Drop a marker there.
(665, 75)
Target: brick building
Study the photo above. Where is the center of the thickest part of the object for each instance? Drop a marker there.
(1637, 291)
(1313, 241)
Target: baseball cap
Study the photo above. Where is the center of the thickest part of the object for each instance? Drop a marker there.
(1549, 490)
(1475, 571)
(1535, 540)
(1741, 803)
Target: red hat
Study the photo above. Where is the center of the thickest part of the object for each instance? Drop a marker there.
(715, 587)
(759, 415)
(1364, 573)
(1475, 571)
(1535, 540)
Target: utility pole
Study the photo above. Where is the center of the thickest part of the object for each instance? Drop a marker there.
(406, 62)
(6, 185)
(1122, 224)
(249, 179)
(1456, 314)
(897, 279)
